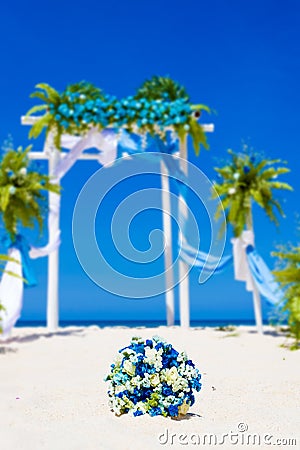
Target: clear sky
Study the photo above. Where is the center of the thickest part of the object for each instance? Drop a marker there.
(239, 57)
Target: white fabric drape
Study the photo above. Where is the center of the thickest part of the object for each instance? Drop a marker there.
(240, 263)
(11, 292)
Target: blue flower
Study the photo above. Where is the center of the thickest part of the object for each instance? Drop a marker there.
(78, 109)
(138, 348)
(155, 412)
(174, 363)
(137, 413)
(140, 370)
(64, 123)
(64, 110)
(196, 385)
(159, 345)
(173, 410)
(134, 399)
(146, 394)
(149, 343)
(246, 169)
(190, 363)
(173, 353)
(191, 399)
(166, 390)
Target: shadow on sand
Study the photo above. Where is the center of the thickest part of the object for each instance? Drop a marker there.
(35, 336)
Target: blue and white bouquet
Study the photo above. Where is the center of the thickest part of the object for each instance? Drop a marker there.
(151, 377)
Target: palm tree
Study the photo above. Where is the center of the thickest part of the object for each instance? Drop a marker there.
(247, 179)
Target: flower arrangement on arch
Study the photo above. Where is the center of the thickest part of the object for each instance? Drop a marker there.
(151, 377)
(22, 191)
(245, 179)
(158, 104)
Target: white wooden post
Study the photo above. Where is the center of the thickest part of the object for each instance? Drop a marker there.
(53, 228)
(167, 228)
(255, 293)
(184, 291)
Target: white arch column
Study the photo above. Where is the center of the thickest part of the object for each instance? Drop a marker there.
(184, 285)
(54, 156)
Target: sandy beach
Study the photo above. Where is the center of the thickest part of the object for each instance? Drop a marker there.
(53, 395)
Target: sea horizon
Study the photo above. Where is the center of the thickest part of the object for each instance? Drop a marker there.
(140, 323)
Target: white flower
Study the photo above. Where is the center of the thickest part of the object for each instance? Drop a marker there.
(129, 368)
(171, 375)
(146, 380)
(119, 389)
(236, 175)
(154, 379)
(182, 357)
(153, 357)
(23, 171)
(136, 381)
(231, 191)
(180, 384)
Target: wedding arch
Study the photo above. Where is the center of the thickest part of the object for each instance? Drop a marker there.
(159, 106)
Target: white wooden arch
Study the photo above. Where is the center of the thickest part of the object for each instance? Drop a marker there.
(53, 155)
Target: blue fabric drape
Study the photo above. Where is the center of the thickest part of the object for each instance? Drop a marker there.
(22, 245)
(204, 261)
(263, 278)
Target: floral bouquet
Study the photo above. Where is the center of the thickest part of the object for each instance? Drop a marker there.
(152, 377)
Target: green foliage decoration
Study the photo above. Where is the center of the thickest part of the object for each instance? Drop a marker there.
(22, 198)
(159, 104)
(248, 179)
(288, 276)
(162, 88)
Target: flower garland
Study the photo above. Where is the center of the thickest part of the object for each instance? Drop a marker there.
(21, 191)
(160, 103)
(151, 377)
(246, 179)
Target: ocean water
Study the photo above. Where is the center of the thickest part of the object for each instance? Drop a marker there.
(136, 323)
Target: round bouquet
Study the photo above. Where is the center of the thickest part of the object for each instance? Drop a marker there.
(151, 377)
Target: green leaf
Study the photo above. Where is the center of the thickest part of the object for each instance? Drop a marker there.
(41, 96)
(38, 127)
(36, 108)
(198, 136)
(4, 197)
(52, 94)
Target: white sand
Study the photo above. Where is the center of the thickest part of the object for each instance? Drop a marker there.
(52, 395)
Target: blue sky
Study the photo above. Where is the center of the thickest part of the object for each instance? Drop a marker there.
(240, 58)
